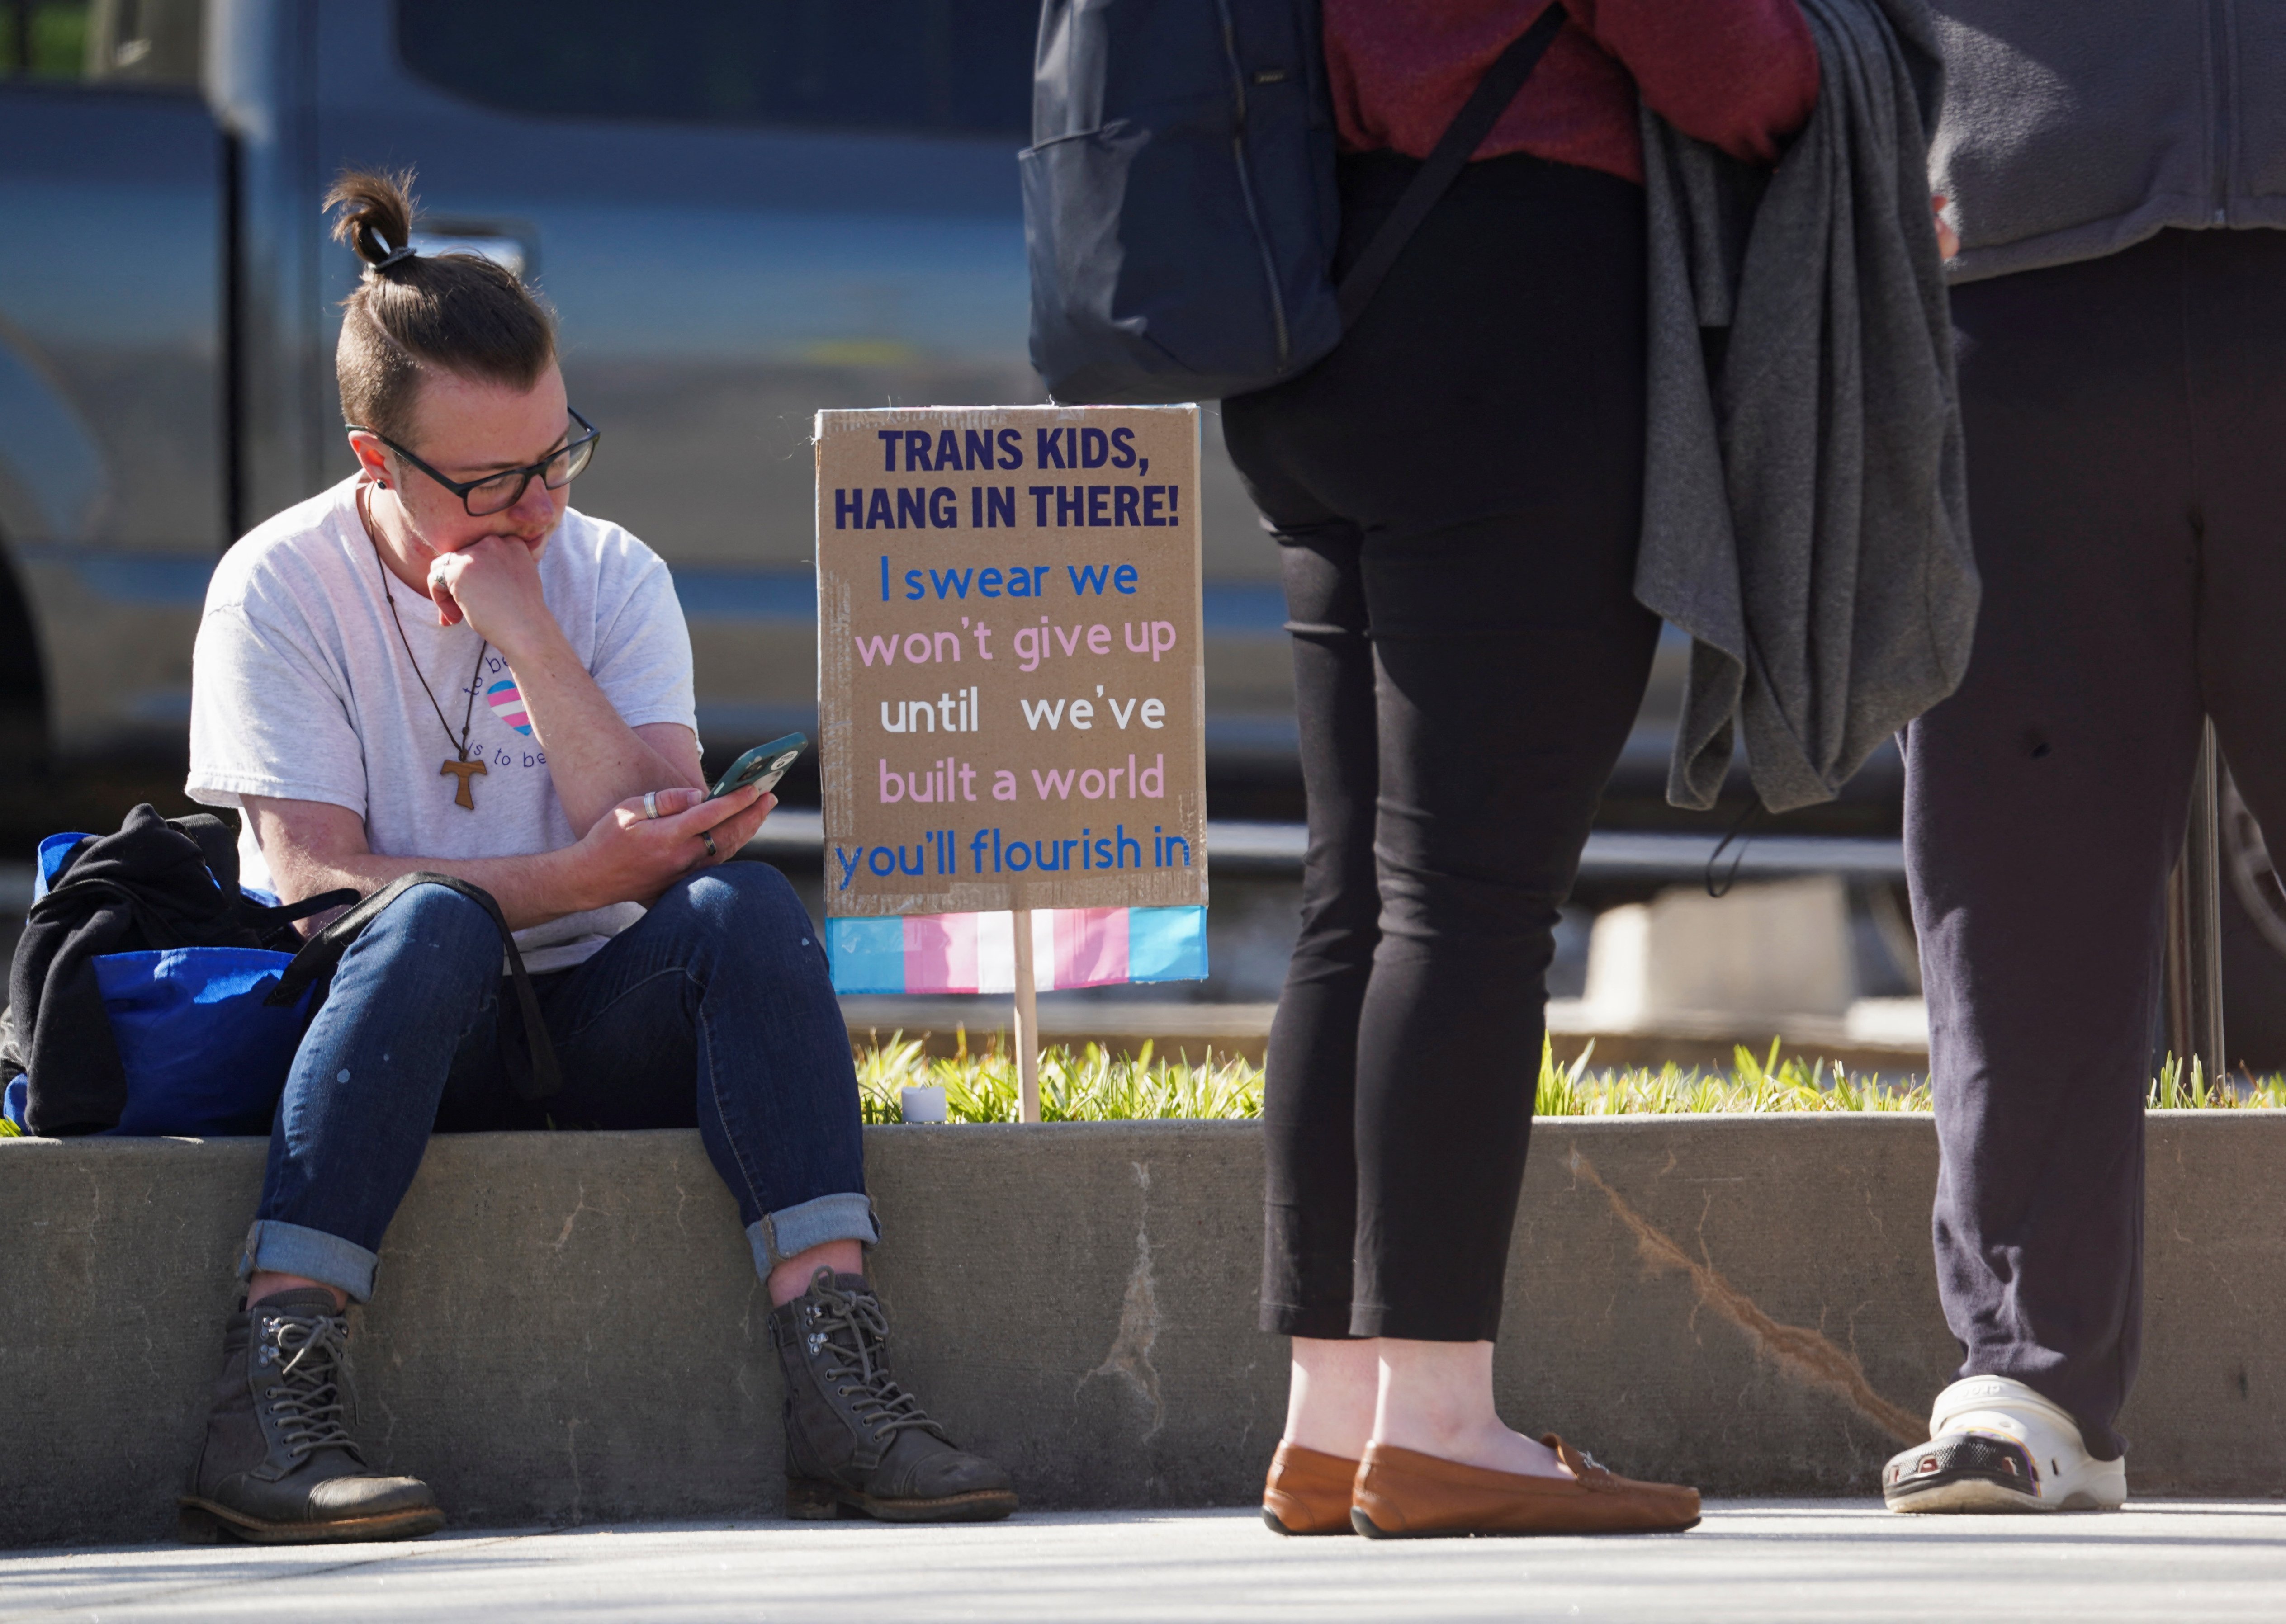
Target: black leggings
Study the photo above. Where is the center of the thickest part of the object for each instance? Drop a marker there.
(1457, 491)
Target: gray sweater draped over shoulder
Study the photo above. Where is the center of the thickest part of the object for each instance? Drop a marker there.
(1805, 514)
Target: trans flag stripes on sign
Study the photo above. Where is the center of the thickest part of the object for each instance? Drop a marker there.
(976, 953)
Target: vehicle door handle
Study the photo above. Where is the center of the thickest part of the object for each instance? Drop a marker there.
(511, 245)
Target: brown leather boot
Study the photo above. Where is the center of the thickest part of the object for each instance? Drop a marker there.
(1308, 1492)
(857, 1441)
(279, 1467)
(1402, 1493)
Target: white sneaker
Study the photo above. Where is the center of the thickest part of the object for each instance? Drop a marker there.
(1996, 1446)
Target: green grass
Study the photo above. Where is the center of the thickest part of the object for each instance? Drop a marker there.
(1093, 1085)
(1755, 1083)
(2174, 1091)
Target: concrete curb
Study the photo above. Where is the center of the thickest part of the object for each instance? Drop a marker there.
(568, 1328)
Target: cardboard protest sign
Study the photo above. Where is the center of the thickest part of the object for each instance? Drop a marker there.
(1011, 685)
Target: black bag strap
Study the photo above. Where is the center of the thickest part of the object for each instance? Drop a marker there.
(1443, 166)
(324, 950)
(263, 920)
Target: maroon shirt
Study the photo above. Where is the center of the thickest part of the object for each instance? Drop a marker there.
(1739, 74)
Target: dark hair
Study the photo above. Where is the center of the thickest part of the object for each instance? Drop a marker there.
(411, 313)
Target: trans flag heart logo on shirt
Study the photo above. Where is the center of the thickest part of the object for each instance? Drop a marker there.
(508, 705)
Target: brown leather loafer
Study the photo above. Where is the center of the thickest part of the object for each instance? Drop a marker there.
(1402, 1494)
(1308, 1492)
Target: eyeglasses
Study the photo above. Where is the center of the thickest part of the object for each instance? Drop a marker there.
(498, 493)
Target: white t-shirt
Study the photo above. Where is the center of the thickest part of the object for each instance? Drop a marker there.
(301, 689)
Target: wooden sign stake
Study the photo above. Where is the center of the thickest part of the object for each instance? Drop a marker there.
(1028, 1024)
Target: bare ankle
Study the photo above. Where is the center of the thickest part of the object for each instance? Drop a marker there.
(792, 1276)
(264, 1284)
(1330, 1406)
(1437, 1399)
(1489, 1445)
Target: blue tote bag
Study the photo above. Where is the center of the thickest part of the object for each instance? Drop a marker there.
(204, 1052)
(206, 1036)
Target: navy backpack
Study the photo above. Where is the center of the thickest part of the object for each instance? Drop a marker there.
(1180, 212)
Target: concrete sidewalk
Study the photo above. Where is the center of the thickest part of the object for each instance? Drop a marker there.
(1758, 1560)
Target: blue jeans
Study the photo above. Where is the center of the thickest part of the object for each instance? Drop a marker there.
(715, 1011)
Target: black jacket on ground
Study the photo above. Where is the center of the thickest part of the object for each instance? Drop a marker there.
(157, 884)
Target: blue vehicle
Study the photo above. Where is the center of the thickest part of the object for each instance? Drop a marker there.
(744, 210)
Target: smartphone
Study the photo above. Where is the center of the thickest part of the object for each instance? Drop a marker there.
(762, 765)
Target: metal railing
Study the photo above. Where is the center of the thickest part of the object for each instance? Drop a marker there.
(2193, 956)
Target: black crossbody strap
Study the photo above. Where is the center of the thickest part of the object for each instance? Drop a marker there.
(324, 950)
(288, 913)
(1438, 172)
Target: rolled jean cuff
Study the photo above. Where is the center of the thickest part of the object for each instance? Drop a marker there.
(791, 1231)
(277, 1247)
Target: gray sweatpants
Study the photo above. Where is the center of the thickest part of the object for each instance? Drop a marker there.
(2126, 436)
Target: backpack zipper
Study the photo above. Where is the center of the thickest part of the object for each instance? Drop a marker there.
(1246, 184)
(2223, 58)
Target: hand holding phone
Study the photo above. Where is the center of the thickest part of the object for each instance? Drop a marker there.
(762, 767)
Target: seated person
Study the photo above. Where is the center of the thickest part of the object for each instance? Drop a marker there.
(446, 604)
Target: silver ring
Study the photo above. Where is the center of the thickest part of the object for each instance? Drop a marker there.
(710, 850)
(651, 803)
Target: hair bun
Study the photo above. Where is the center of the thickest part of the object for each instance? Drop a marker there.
(376, 214)
(413, 315)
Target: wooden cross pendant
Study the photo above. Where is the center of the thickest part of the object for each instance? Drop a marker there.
(464, 770)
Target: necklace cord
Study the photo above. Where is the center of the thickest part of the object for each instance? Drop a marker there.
(468, 721)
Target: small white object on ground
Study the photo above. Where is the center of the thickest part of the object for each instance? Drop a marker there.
(1763, 951)
(922, 1102)
(1891, 1022)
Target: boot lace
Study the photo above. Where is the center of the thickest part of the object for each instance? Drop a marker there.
(845, 1333)
(305, 1394)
